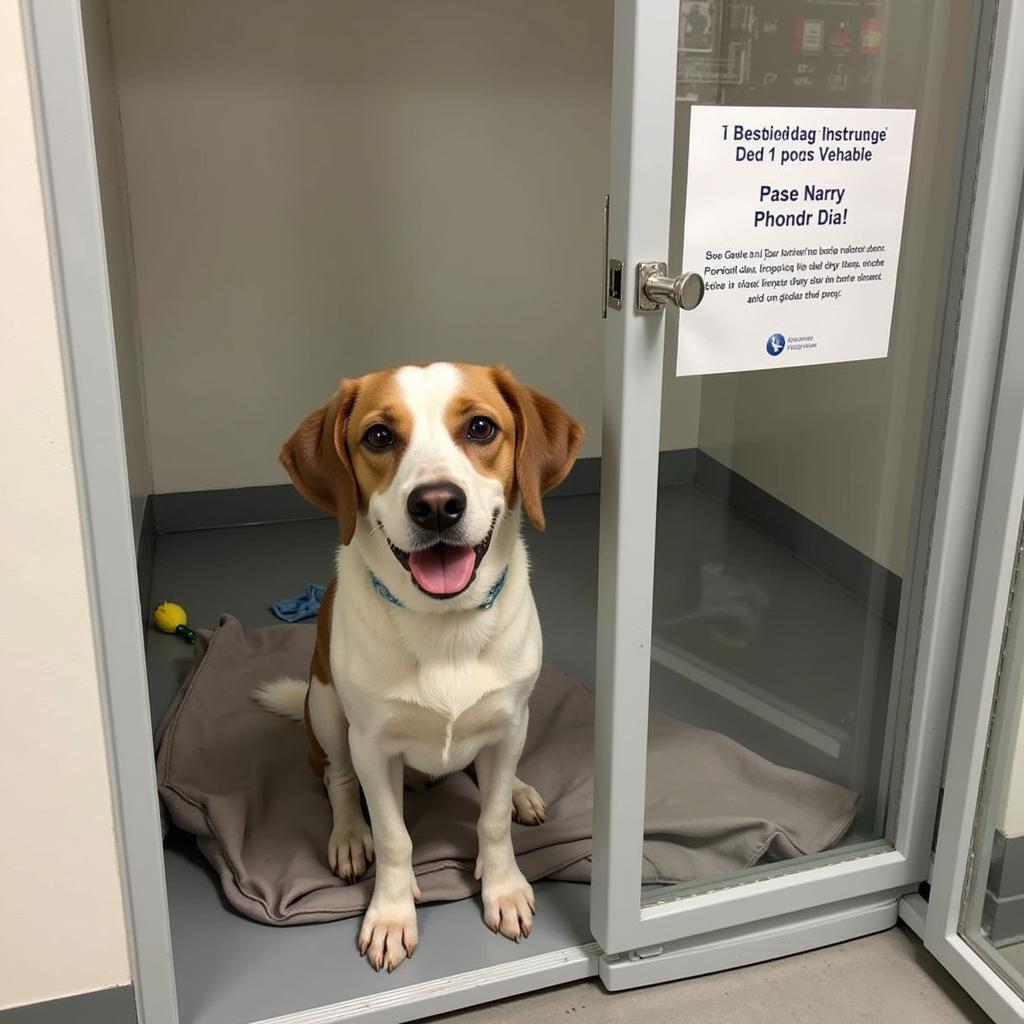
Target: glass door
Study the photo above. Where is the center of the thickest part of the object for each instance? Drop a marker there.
(989, 927)
(784, 542)
(974, 919)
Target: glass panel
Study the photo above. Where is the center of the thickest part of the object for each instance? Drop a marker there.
(786, 498)
(992, 919)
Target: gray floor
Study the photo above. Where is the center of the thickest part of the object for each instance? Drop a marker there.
(230, 969)
(884, 978)
(755, 623)
(1014, 955)
(1007, 961)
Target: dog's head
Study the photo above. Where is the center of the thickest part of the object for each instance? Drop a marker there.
(427, 467)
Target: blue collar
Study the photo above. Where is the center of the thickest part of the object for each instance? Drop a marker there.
(492, 595)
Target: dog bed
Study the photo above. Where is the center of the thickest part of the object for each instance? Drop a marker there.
(237, 778)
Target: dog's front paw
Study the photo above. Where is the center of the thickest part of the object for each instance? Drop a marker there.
(509, 905)
(388, 934)
(350, 850)
(527, 806)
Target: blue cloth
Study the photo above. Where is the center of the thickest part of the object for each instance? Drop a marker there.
(302, 606)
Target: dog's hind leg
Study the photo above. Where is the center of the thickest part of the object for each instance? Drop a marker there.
(350, 848)
(528, 807)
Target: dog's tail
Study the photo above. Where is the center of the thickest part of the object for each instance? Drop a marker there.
(284, 697)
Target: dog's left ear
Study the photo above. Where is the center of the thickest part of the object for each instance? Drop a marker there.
(547, 441)
(316, 458)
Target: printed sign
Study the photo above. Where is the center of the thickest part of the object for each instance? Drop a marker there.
(793, 218)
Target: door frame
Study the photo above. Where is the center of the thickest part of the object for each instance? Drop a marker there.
(643, 112)
(995, 559)
(60, 92)
(55, 46)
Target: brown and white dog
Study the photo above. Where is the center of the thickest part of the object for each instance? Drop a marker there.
(428, 642)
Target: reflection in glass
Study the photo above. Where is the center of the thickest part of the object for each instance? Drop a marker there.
(786, 510)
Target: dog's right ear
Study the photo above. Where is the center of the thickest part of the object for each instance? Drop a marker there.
(316, 457)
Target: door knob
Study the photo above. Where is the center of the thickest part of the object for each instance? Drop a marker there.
(654, 288)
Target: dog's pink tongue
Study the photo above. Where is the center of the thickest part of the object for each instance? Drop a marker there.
(443, 569)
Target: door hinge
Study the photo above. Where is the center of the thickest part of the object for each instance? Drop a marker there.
(644, 953)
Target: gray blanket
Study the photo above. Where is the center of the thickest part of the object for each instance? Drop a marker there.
(237, 778)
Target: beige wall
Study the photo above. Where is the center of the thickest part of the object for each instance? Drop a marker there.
(320, 189)
(324, 189)
(1006, 745)
(62, 928)
(117, 231)
(1012, 823)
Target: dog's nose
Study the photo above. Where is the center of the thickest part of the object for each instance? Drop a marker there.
(436, 506)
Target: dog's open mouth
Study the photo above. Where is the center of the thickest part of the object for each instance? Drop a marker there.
(443, 570)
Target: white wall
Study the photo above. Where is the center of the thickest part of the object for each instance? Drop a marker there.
(320, 189)
(62, 927)
(117, 232)
(1012, 818)
(1006, 743)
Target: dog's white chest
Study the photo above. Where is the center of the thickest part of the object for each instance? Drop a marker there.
(439, 716)
(435, 689)
(436, 741)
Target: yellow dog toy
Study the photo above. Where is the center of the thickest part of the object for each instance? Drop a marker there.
(172, 618)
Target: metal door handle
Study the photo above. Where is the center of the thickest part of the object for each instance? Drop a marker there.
(654, 288)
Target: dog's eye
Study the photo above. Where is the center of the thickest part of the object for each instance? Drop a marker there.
(481, 429)
(378, 437)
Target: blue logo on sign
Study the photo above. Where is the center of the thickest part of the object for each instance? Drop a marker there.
(776, 343)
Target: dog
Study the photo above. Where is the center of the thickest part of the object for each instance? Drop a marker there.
(428, 642)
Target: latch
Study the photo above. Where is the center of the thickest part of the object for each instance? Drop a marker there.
(654, 289)
(611, 273)
(615, 284)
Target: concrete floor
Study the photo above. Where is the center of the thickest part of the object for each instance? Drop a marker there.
(887, 977)
(1014, 956)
